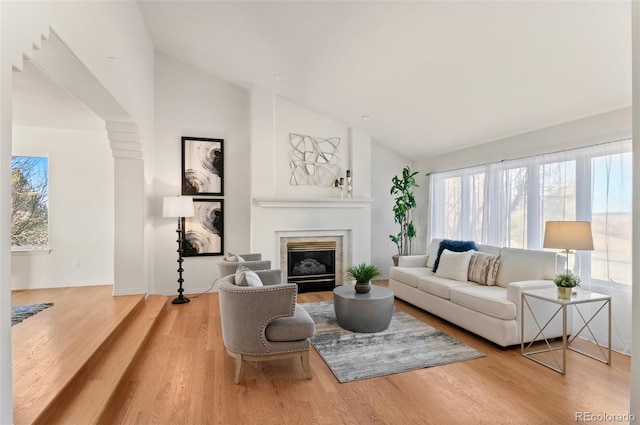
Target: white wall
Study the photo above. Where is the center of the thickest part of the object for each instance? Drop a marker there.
(607, 127)
(292, 118)
(273, 119)
(80, 209)
(190, 102)
(385, 165)
(120, 32)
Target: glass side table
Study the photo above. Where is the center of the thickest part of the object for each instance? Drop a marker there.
(551, 296)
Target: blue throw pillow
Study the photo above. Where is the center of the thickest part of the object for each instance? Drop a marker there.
(455, 246)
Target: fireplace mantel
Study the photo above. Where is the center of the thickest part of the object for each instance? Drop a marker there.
(312, 202)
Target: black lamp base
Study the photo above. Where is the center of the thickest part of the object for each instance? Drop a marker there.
(180, 300)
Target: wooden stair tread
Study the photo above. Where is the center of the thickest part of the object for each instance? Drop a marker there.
(46, 355)
(85, 401)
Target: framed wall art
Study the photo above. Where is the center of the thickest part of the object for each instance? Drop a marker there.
(204, 232)
(202, 166)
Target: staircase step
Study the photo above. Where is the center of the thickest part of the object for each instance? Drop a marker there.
(85, 400)
(53, 347)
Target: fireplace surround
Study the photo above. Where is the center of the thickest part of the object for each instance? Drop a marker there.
(314, 263)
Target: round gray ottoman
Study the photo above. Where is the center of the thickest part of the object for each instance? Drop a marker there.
(370, 312)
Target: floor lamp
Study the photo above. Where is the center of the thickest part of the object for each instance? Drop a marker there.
(178, 206)
(568, 235)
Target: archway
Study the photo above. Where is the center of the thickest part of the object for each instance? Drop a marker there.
(56, 61)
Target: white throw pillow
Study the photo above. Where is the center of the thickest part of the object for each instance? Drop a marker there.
(247, 277)
(454, 265)
(234, 258)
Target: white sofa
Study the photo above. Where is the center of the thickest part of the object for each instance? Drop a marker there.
(493, 312)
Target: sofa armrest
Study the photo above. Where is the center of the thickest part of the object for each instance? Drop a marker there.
(413, 261)
(515, 289)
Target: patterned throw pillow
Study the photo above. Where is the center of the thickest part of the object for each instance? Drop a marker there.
(454, 246)
(483, 268)
(247, 277)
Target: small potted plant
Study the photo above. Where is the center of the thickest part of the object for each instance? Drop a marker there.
(362, 274)
(565, 283)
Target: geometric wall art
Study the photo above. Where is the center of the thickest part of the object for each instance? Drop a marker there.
(313, 160)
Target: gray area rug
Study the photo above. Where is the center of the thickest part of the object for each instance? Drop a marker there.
(407, 344)
(21, 312)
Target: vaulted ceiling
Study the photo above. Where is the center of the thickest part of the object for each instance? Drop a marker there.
(433, 76)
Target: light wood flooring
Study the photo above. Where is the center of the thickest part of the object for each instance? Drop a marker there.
(184, 376)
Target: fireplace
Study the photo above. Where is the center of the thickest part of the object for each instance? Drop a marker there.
(312, 265)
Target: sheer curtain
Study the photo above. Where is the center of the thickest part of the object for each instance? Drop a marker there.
(507, 204)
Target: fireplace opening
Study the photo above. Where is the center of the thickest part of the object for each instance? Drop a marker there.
(312, 265)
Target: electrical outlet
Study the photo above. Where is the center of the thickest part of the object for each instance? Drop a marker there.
(76, 265)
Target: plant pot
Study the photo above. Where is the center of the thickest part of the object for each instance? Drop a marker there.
(564, 292)
(363, 288)
(395, 259)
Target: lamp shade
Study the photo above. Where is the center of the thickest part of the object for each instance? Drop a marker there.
(568, 235)
(177, 206)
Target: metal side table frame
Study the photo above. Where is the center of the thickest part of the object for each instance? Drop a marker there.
(582, 297)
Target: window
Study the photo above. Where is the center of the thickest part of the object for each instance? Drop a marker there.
(611, 218)
(508, 203)
(29, 202)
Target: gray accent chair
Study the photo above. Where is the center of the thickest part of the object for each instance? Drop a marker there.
(251, 261)
(265, 322)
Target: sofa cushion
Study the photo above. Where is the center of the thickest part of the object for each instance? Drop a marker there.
(438, 286)
(454, 265)
(523, 264)
(294, 328)
(455, 246)
(489, 249)
(490, 300)
(412, 261)
(481, 266)
(409, 275)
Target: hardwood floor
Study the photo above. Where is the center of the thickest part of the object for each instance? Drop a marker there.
(185, 377)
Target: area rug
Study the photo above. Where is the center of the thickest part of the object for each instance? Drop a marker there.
(21, 312)
(407, 344)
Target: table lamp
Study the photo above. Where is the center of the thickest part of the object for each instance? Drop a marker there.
(568, 235)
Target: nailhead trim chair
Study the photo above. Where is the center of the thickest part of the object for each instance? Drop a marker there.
(251, 261)
(265, 322)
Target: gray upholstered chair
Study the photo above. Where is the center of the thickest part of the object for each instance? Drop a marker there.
(264, 322)
(251, 261)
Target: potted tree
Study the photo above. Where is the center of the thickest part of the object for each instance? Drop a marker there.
(404, 202)
(362, 274)
(565, 283)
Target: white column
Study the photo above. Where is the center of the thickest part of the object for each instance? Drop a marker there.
(262, 143)
(129, 208)
(635, 302)
(6, 398)
(262, 152)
